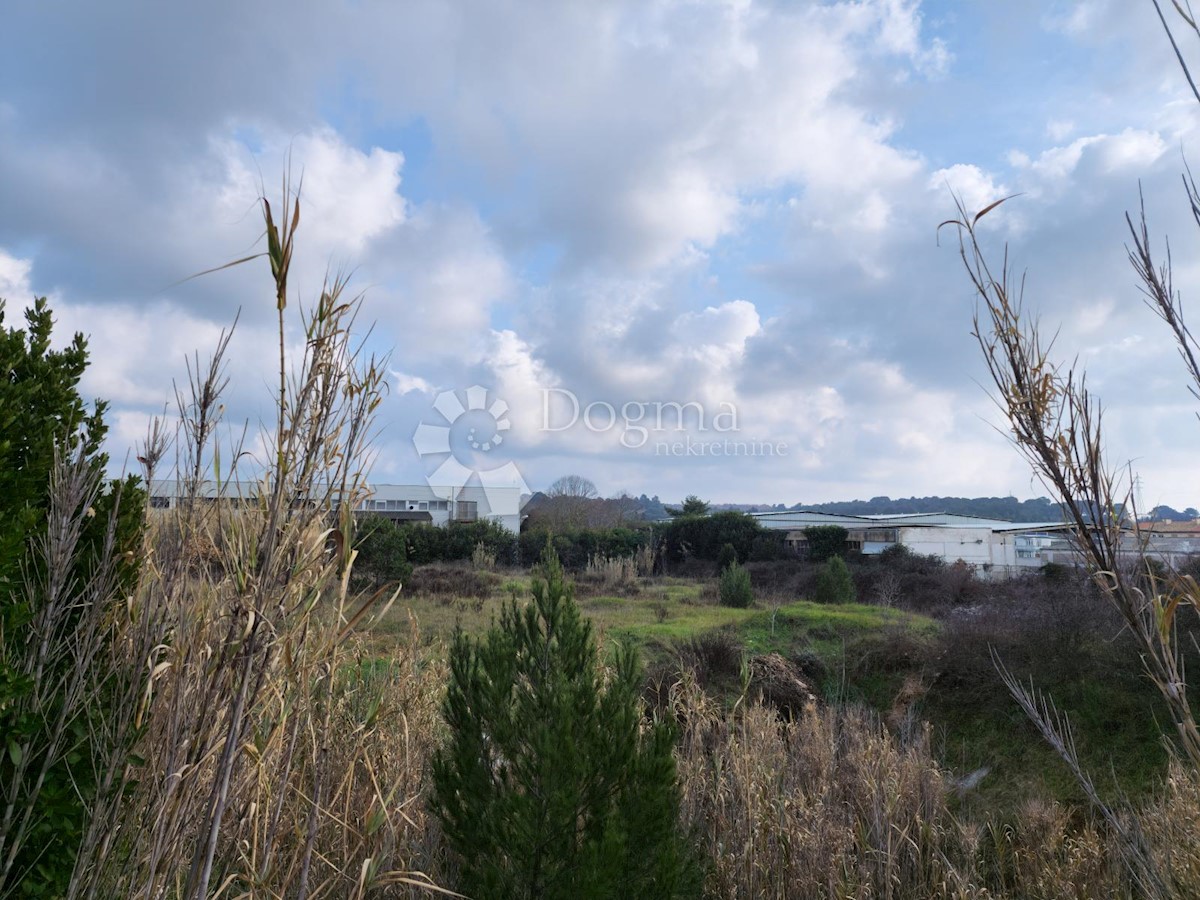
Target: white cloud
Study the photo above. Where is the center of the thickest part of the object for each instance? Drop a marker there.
(969, 182)
(712, 201)
(405, 383)
(15, 286)
(348, 197)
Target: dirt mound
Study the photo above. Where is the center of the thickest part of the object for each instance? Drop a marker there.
(780, 684)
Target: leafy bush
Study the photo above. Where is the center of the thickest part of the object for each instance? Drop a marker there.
(576, 546)
(549, 786)
(825, 541)
(834, 584)
(457, 541)
(382, 552)
(770, 545)
(734, 589)
(68, 551)
(703, 537)
(726, 558)
(904, 561)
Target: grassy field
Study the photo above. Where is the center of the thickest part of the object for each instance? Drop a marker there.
(902, 664)
(654, 614)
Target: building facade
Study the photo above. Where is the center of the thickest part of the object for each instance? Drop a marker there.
(995, 548)
(432, 505)
(443, 505)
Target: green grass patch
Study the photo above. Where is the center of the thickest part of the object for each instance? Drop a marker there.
(865, 654)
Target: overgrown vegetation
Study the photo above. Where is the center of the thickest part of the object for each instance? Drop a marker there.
(834, 584)
(70, 549)
(222, 736)
(382, 552)
(200, 718)
(1057, 425)
(734, 587)
(549, 786)
(825, 541)
(727, 557)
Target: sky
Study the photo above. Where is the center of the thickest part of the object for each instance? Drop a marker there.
(608, 215)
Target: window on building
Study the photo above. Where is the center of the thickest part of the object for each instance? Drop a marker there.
(160, 502)
(467, 511)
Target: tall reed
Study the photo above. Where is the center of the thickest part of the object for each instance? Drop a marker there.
(268, 759)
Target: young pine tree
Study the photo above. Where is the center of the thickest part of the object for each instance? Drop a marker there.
(734, 588)
(834, 583)
(549, 787)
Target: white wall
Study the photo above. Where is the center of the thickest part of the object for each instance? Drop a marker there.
(500, 504)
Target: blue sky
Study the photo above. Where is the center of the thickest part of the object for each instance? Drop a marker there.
(724, 204)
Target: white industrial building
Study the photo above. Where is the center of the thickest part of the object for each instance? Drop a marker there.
(433, 505)
(994, 547)
(436, 505)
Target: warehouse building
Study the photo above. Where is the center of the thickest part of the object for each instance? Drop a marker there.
(995, 548)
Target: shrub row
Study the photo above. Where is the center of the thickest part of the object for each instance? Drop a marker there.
(575, 546)
(382, 542)
(703, 537)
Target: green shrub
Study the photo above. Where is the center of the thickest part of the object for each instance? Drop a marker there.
(1056, 573)
(702, 537)
(726, 558)
(834, 584)
(575, 546)
(825, 541)
(769, 546)
(55, 607)
(382, 552)
(734, 589)
(457, 541)
(549, 786)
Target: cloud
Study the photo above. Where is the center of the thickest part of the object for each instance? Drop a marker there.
(405, 383)
(975, 187)
(14, 278)
(719, 202)
(350, 197)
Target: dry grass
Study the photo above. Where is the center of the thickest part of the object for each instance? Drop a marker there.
(609, 572)
(268, 758)
(482, 558)
(829, 803)
(823, 805)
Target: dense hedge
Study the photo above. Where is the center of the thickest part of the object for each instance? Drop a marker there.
(702, 537)
(424, 543)
(575, 546)
(825, 541)
(688, 537)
